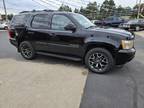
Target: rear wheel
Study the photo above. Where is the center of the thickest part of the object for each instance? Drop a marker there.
(99, 60)
(27, 51)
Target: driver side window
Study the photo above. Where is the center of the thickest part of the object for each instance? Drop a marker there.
(59, 22)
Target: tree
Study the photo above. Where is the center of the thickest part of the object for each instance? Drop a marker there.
(90, 11)
(65, 8)
(128, 11)
(83, 11)
(119, 10)
(107, 8)
(111, 8)
(104, 9)
(76, 11)
(9, 16)
(136, 10)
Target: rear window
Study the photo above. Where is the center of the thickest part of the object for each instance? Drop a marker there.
(18, 19)
(41, 21)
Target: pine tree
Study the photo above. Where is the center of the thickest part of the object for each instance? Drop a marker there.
(65, 8)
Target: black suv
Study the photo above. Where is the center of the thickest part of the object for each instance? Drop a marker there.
(70, 36)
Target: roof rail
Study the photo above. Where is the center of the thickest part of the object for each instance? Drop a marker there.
(31, 11)
(38, 11)
(24, 11)
(49, 10)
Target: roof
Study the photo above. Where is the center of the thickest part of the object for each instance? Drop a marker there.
(43, 11)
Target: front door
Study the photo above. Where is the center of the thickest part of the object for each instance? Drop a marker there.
(63, 41)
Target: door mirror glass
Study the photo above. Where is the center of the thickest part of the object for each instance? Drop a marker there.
(70, 27)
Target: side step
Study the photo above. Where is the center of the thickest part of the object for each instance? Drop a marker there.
(60, 56)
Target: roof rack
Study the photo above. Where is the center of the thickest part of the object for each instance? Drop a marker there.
(49, 10)
(46, 10)
(24, 11)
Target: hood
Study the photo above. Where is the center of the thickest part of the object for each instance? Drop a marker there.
(114, 31)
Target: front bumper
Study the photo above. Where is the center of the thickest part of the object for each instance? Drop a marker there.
(124, 56)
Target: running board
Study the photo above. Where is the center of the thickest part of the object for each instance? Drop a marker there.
(60, 56)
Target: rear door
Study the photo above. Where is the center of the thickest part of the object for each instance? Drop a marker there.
(38, 32)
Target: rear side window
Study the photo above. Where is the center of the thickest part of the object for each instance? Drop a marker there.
(18, 19)
(41, 21)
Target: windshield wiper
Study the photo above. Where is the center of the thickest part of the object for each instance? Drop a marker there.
(91, 26)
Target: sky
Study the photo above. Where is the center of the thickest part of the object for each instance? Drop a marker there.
(16, 6)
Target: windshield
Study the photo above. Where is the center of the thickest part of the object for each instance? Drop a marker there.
(82, 20)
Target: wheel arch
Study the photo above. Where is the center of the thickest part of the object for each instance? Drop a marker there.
(110, 47)
(21, 39)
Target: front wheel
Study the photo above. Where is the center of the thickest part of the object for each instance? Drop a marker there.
(27, 51)
(99, 60)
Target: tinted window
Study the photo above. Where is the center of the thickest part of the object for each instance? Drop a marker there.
(60, 21)
(40, 21)
(18, 19)
(82, 20)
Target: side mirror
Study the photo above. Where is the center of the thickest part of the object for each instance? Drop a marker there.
(70, 27)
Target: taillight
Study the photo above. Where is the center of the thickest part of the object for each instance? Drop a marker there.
(11, 33)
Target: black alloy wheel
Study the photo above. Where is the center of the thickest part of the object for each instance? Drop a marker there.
(27, 51)
(99, 60)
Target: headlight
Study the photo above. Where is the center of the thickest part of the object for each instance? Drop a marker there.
(127, 44)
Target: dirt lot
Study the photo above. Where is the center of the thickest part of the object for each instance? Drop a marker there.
(45, 82)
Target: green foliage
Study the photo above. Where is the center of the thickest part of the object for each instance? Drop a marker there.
(107, 8)
(134, 15)
(90, 11)
(76, 10)
(9, 16)
(121, 11)
(65, 8)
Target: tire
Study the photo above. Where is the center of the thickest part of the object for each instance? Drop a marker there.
(5, 28)
(137, 28)
(99, 60)
(27, 50)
